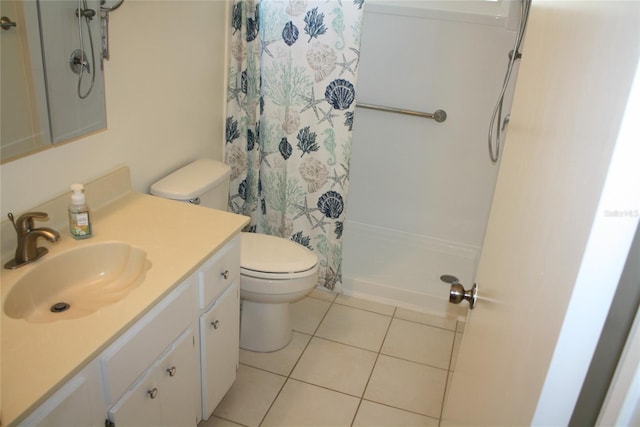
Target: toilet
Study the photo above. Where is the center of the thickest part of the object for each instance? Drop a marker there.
(274, 271)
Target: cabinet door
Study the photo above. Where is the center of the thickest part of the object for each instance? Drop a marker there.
(140, 406)
(219, 337)
(177, 372)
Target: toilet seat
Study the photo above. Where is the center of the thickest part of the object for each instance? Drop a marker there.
(274, 258)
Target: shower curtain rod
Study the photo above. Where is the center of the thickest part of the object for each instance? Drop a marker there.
(438, 115)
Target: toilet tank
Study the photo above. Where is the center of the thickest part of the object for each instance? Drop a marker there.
(204, 182)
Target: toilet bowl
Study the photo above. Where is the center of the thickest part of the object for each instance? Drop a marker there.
(274, 271)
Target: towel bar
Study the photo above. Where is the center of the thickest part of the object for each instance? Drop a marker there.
(438, 115)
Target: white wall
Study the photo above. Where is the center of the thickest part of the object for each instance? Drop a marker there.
(164, 90)
(420, 190)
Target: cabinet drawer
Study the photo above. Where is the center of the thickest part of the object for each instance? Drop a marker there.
(219, 272)
(126, 359)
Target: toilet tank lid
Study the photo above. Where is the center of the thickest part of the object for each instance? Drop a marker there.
(192, 180)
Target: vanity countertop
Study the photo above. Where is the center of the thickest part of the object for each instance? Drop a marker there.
(37, 358)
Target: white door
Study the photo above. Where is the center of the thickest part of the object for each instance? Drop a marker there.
(564, 213)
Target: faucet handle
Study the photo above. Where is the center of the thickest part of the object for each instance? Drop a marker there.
(24, 223)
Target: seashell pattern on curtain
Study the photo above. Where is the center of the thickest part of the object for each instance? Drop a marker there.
(290, 106)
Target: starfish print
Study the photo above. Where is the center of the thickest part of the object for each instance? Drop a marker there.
(320, 223)
(311, 103)
(346, 65)
(264, 46)
(234, 93)
(263, 156)
(305, 211)
(339, 179)
(357, 52)
(328, 116)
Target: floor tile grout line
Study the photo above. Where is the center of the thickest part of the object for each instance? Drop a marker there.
(364, 390)
(413, 361)
(366, 309)
(398, 408)
(394, 315)
(426, 324)
(226, 419)
(446, 384)
(272, 402)
(378, 352)
(288, 377)
(363, 309)
(324, 387)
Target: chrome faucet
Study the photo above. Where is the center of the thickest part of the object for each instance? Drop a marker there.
(27, 250)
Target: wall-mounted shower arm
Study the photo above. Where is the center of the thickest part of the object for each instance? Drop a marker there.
(86, 13)
(438, 115)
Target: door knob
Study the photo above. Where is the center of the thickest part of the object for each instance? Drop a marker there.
(6, 23)
(457, 294)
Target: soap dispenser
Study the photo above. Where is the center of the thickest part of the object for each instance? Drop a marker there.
(79, 215)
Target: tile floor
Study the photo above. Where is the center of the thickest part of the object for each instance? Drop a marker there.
(350, 363)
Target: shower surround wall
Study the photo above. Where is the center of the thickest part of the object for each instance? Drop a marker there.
(70, 115)
(420, 190)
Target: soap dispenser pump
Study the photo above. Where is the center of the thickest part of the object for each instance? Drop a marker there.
(79, 215)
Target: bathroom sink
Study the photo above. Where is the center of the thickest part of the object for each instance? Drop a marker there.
(77, 282)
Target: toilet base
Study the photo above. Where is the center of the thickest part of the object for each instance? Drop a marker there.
(265, 327)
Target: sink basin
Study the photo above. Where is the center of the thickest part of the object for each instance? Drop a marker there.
(77, 282)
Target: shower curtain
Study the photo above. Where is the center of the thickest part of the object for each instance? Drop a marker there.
(290, 108)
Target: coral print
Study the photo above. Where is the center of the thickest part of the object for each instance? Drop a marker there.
(315, 25)
(291, 96)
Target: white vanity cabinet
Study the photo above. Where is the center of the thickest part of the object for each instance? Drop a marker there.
(171, 368)
(219, 290)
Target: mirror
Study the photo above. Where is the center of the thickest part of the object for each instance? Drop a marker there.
(52, 73)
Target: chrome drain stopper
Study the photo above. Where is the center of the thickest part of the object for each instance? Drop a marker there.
(448, 278)
(59, 307)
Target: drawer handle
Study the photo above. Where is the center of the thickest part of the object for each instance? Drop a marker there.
(215, 324)
(153, 393)
(171, 371)
(225, 274)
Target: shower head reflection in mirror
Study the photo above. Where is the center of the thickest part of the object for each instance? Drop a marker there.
(37, 111)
